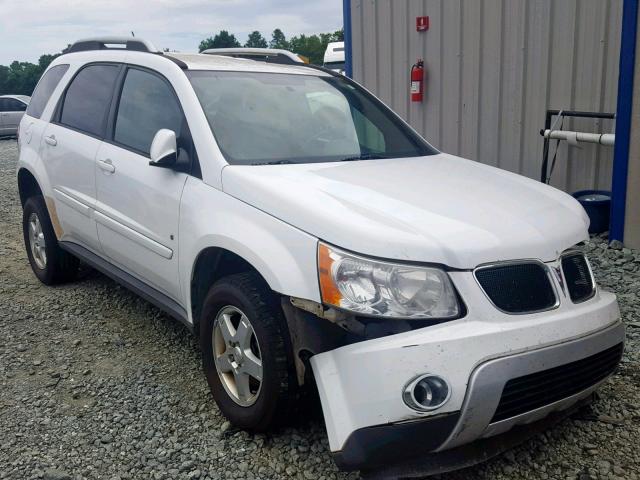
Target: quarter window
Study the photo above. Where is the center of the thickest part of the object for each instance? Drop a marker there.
(147, 104)
(44, 89)
(87, 100)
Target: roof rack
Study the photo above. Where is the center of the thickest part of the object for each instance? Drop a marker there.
(269, 55)
(109, 43)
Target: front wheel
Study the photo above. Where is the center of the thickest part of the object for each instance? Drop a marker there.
(246, 352)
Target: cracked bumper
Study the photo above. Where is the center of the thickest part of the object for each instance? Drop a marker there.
(360, 385)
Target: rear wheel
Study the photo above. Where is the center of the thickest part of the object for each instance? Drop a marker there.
(246, 352)
(48, 261)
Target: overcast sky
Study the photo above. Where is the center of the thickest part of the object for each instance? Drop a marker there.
(29, 28)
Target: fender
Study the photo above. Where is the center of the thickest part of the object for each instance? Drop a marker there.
(282, 254)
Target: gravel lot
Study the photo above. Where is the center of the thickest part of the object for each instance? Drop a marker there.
(96, 383)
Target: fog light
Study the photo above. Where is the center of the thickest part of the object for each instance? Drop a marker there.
(426, 392)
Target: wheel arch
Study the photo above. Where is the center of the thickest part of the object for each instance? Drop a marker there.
(28, 185)
(212, 264)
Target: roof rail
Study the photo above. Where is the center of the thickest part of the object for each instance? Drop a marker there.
(269, 55)
(105, 43)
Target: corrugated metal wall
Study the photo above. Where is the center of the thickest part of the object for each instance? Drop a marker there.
(494, 67)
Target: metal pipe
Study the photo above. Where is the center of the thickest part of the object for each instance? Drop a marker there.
(547, 125)
(578, 113)
(573, 138)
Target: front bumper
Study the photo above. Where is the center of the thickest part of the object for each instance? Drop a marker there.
(360, 385)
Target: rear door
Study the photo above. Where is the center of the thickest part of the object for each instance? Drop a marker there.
(138, 205)
(35, 121)
(69, 149)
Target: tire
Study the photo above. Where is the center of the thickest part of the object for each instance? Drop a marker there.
(50, 263)
(268, 404)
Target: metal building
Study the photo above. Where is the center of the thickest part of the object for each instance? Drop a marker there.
(493, 69)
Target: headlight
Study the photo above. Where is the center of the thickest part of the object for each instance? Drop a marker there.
(385, 289)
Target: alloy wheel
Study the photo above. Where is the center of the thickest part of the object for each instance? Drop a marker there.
(237, 356)
(37, 242)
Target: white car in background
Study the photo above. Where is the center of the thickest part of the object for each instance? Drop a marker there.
(12, 108)
(308, 236)
(334, 57)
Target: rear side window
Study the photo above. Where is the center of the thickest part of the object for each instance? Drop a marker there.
(147, 104)
(44, 89)
(88, 97)
(11, 105)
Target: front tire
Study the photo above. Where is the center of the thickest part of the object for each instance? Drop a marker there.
(48, 261)
(246, 352)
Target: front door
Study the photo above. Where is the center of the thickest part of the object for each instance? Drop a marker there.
(3, 130)
(12, 113)
(138, 205)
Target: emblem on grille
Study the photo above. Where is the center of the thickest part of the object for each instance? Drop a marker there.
(558, 271)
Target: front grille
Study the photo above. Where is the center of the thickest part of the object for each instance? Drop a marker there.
(524, 394)
(578, 276)
(518, 287)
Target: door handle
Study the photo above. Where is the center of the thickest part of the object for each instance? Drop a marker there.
(107, 165)
(51, 140)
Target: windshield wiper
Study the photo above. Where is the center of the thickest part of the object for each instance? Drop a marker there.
(275, 162)
(363, 156)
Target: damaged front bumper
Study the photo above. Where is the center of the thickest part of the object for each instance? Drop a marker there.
(361, 384)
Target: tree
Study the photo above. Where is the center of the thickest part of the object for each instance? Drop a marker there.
(224, 39)
(4, 78)
(20, 78)
(278, 40)
(46, 59)
(314, 46)
(256, 40)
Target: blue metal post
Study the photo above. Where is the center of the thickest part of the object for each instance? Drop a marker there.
(346, 18)
(623, 119)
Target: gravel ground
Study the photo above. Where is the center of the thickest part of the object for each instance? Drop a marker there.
(96, 383)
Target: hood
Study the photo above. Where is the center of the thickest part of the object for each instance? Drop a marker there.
(437, 209)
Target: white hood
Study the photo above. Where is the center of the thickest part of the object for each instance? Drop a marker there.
(437, 209)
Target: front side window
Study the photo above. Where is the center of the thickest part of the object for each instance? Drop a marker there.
(17, 106)
(44, 89)
(147, 104)
(262, 118)
(88, 98)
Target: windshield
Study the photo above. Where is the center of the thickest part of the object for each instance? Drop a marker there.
(270, 118)
(334, 65)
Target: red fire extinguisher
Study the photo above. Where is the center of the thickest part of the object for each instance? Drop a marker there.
(417, 81)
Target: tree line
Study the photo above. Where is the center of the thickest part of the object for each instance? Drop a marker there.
(20, 78)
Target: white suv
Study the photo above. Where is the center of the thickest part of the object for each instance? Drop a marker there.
(309, 236)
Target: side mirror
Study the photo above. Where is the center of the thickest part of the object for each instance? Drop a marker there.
(164, 150)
